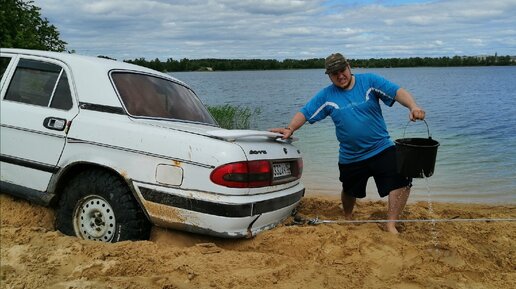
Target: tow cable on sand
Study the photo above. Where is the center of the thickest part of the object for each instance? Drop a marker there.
(299, 220)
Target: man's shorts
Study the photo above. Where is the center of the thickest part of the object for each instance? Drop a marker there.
(382, 167)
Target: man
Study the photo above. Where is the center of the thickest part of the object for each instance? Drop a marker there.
(352, 101)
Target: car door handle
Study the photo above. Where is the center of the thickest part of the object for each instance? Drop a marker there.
(55, 123)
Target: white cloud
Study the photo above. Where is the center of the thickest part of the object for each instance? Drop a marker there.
(475, 41)
(273, 7)
(420, 20)
(282, 28)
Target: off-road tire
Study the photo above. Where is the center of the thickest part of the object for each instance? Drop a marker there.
(98, 205)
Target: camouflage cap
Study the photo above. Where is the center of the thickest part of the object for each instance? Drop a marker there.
(335, 62)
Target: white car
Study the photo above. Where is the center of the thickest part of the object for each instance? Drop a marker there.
(115, 147)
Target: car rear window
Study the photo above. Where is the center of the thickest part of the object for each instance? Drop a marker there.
(149, 96)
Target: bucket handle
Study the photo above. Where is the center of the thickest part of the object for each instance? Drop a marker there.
(427, 129)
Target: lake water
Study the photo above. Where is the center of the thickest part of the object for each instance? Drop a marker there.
(471, 112)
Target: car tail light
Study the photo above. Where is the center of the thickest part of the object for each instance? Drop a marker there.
(299, 172)
(254, 174)
(250, 174)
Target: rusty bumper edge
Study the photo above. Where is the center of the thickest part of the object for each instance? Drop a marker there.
(220, 209)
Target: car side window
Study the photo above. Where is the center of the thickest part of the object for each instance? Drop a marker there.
(62, 97)
(40, 83)
(4, 62)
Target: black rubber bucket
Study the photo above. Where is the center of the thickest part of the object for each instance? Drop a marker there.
(416, 156)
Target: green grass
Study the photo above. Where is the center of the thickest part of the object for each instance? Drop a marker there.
(233, 117)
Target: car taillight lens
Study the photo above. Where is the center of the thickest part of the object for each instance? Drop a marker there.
(300, 165)
(250, 174)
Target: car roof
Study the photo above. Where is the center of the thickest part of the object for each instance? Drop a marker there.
(90, 74)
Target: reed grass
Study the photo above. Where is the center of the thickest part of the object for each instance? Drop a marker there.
(233, 117)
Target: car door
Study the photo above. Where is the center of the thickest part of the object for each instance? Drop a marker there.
(37, 105)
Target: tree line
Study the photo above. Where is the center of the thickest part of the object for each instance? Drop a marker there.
(271, 64)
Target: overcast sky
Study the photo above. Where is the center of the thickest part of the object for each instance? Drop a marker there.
(279, 29)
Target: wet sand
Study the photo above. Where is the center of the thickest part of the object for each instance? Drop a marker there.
(424, 255)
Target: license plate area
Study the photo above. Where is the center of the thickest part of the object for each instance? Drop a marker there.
(281, 170)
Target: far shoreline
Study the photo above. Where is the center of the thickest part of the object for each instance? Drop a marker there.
(191, 65)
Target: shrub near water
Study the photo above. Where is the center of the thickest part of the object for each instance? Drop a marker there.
(233, 117)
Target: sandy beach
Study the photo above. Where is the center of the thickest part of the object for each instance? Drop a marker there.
(424, 255)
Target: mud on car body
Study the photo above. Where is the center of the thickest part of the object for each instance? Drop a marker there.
(115, 148)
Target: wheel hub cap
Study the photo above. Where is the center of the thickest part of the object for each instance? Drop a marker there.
(94, 219)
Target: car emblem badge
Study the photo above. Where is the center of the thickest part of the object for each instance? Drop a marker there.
(285, 150)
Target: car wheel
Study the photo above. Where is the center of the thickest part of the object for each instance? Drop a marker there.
(98, 205)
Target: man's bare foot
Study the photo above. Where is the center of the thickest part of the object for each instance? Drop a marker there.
(391, 228)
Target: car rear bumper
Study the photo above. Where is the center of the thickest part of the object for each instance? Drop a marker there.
(218, 215)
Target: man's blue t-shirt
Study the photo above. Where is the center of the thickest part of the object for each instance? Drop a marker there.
(357, 115)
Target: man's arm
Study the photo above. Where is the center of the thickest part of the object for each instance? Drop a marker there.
(406, 99)
(297, 121)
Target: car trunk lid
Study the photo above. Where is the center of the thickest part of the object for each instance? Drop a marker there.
(284, 158)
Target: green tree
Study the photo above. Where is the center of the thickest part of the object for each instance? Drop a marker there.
(22, 26)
